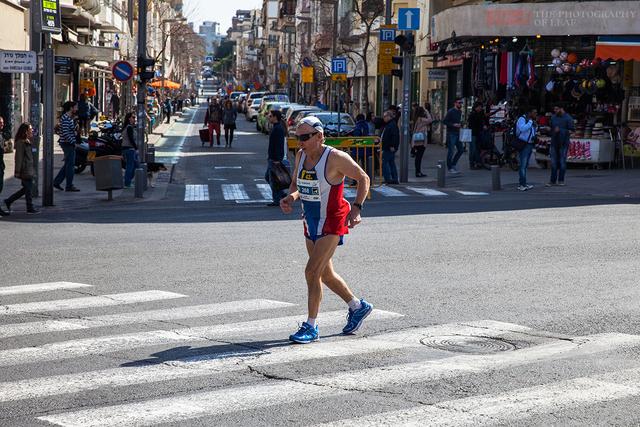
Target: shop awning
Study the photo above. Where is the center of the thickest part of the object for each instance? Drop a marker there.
(86, 53)
(169, 84)
(627, 48)
(529, 19)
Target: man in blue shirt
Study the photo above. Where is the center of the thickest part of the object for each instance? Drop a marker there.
(453, 121)
(561, 127)
(526, 130)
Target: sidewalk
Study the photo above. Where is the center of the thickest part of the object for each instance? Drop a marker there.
(88, 196)
(580, 180)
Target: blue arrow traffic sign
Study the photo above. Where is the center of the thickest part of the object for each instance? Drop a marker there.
(122, 71)
(339, 66)
(409, 18)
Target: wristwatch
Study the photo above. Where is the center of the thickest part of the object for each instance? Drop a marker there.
(358, 205)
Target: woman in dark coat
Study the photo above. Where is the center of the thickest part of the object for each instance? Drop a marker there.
(229, 116)
(25, 168)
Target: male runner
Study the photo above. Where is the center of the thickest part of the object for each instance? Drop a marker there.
(319, 182)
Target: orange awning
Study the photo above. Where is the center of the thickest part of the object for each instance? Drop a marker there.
(618, 47)
(169, 84)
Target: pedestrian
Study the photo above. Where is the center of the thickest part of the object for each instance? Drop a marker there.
(167, 107)
(371, 123)
(115, 104)
(561, 127)
(419, 138)
(2, 165)
(129, 148)
(25, 168)
(526, 130)
(427, 109)
(453, 121)
(319, 183)
(390, 144)
(478, 123)
(229, 116)
(276, 154)
(86, 113)
(67, 141)
(212, 119)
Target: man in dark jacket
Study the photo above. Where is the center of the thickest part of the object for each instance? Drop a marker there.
(212, 120)
(276, 154)
(390, 144)
(453, 121)
(67, 142)
(561, 127)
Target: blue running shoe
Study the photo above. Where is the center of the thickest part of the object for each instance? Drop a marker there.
(355, 318)
(305, 334)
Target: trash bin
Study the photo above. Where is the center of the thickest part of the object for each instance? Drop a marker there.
(108, 171)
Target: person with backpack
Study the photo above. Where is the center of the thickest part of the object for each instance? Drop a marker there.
(212, 120)
(525, 136)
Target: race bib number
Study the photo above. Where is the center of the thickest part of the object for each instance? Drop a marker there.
(308, 187)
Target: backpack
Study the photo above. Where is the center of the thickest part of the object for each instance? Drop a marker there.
(516, 142)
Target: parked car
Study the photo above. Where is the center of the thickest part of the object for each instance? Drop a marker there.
(233, 96)
(254, 95)
(329, 120)
(252, 110)
(262, 123)
(294, 112)
(274, 97)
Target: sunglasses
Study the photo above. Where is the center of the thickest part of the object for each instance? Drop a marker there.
(306, 136)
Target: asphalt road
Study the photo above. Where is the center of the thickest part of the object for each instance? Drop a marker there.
(489, 310)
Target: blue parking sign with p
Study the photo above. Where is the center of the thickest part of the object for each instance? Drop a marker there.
(339, 66)
(387, 35)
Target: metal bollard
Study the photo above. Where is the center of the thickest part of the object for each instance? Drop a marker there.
(495, 178)
(441, 173)
(140, 178)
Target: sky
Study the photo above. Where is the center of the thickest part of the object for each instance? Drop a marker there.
(217, 11)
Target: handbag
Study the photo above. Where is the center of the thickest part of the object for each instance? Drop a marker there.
(419, 137)
(465, 135)
(280, 177)
(519, 144)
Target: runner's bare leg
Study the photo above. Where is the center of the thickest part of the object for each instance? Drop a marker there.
(320, 254)
(336, 283)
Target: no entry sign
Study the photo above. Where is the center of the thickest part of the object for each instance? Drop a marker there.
(122, 71)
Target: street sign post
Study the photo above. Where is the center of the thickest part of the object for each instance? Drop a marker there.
(18, 61)
(122, 71)
(50, 19)
(408, 18)
(387, 49)
(339, 74)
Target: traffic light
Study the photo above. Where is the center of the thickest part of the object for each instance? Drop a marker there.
(406, 42)
(143, 68)
(399, 60)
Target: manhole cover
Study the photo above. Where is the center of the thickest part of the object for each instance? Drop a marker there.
(467, 344)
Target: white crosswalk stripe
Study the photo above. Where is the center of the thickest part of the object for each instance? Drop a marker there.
(196, 193)
(109, 344)
(87, 302)
(428, 192)
(265, 190)
(40, 287)
(234, 192)
(389, 191)
(168, 314)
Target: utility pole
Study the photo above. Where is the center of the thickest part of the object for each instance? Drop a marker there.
(406, 111)
(386, 80)
(141, 173)
(35, 110)
(48, 83)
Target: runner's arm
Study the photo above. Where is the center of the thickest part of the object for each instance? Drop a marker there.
(346, 166)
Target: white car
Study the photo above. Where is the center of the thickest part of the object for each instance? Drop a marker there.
(252, 110)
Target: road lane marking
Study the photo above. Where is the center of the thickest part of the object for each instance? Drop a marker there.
(508, 407)
(270, 393)
(109, 344)
(234, 192)
(88, 302)
(168, 314)
(227, 167)
(472, 193)
(389, 191)
(40, 287)
(196, 193)
(265, 191)
(428, 192)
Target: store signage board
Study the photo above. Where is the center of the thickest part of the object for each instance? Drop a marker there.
(408, 18)
(18, 61)
(307, 74)
(339, 66)
(122, 71)
(51, 16)
(437, 75)
(63, 65)
(387, 49)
